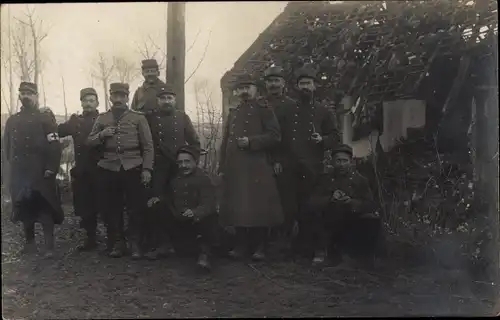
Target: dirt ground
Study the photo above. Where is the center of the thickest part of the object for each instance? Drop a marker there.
(91, 285)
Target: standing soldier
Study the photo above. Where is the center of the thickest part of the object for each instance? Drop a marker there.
(34, 153)
(309, 129)
(281, 104)
(84, 173)
(124, 168)
(170, 129)
(144, 99)
(250, 201)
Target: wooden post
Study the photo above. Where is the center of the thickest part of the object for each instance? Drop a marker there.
(176, 49)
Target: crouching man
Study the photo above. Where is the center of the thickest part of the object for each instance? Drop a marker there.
(341, 207)
(191, 205)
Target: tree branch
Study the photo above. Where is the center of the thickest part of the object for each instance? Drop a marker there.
(201, 59)
(194, 41)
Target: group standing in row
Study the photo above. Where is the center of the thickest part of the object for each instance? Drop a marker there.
(142, 161)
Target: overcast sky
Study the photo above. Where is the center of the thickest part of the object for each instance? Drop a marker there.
(79, 31)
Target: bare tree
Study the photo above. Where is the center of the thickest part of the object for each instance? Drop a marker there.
(27, 39)
(125, 69)
(208, 124)
(8, 74)
(202, 58)
(103, 74)
(149, 49)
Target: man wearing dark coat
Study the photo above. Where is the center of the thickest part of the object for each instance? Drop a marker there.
(145, 97)
(282, 105)
(84, 173)
(309, 128)
(190, 205)
(33, 151)
(125, 167)
(341, 208)
(250, 200)
(170, 129)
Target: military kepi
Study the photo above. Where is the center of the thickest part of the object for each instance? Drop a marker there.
(244, 79)
(343, 148)
(306, 72)
(275, 71)
(119, 87)
(149, 64)
(192, 150)
(28, 86)
(87, 91)
(166, 89)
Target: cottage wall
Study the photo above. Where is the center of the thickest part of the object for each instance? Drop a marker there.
(398, 117)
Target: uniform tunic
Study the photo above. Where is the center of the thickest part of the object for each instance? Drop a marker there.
(250, 196)
(195, 192)
(32, 147)
(145, 97)
(170, 131)
(85, 170)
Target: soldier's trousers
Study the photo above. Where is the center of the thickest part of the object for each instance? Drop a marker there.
(346, 231)
(202, 232)
(85, 189)
(118, 190)
(305, 177)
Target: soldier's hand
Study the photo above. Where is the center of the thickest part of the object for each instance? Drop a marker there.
(243, 142)
(345, 199)
(108, 132)
(316, 137)
(278, 168)
(153, 201)
(188, 213)
(337, 195)
(48, 173)
(146, 177)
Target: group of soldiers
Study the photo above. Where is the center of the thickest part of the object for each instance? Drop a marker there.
(141, 162)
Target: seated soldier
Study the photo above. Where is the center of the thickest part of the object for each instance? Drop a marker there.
(341, 207)
(191, 204)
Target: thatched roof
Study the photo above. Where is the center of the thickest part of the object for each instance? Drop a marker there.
(371, 49)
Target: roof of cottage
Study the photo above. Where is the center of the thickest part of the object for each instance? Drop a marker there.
(373, 50)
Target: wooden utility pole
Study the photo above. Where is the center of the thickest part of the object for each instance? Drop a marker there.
(12, 101)
(176, 49)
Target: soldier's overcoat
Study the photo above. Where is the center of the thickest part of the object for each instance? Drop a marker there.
(250, 196)
(170, 130)
(32, 147)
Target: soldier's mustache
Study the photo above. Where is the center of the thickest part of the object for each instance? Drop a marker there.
(26, 102)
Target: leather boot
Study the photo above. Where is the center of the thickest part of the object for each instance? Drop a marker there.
(30, 244)
(90, 242)
(204, 258)
(136, 251)
(118, 249)
(259, 254)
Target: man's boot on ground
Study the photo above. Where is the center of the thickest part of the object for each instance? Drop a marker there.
(237, 252)
(204, 258)
(162, 252)
(117, 248)
(30, 244)
(259, 254)
(136, 251)
(90, 242)
(319, 257)
(48, 234)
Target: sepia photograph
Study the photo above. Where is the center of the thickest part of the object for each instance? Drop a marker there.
(250, 159)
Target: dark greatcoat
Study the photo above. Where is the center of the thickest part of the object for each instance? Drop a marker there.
(250, 196)
(32, 147)
(282, 105)
(84, 174)
(145, 97)
(170, 130)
